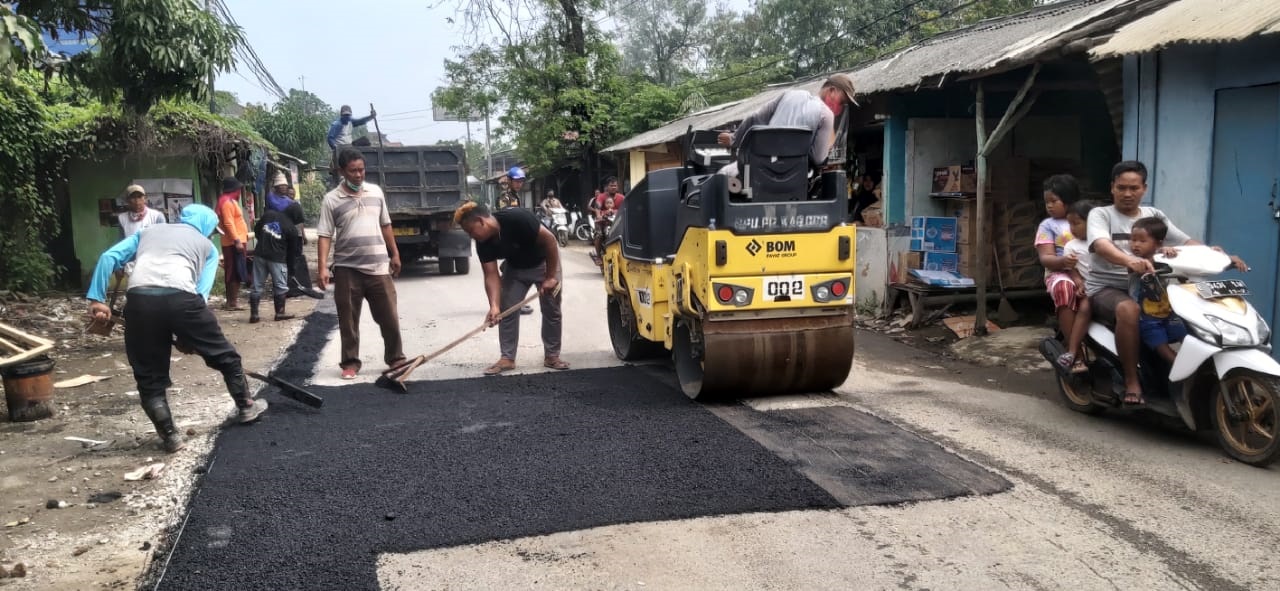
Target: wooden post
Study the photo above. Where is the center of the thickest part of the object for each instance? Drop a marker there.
(980, 272)
(1017, 109)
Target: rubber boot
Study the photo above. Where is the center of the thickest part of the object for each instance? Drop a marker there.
(280, 315)
(233, 296)
(254, 302)
(238, 387)
(157, 409)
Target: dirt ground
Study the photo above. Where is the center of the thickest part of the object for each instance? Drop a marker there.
(108, 532)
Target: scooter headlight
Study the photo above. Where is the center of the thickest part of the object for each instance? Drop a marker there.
(1264, 331)
(1231, 335)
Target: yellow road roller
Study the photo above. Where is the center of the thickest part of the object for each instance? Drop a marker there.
(745, 279)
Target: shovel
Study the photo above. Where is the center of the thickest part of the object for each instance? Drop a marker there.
(1005, 312)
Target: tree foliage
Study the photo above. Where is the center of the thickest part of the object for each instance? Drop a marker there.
(662, 40)
(297, 125)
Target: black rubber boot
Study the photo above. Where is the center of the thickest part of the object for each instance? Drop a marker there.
(157, 408)
(280, 315)
(253, 309)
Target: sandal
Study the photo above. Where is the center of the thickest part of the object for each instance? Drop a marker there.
(555, 363)
(1134, 399)
(499, 367)
(1066, 361)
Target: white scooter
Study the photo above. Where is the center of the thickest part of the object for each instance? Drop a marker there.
(560, 225)
(1223, 376)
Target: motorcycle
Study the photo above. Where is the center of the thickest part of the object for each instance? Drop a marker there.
(582, 228)
(1222, 377)
(559, 225)
(602, 226)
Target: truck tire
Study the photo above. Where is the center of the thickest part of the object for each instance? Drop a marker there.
(446, 265)
(462, 265)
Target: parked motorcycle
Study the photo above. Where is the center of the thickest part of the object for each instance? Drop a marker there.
(582, 228)
(1223, 376)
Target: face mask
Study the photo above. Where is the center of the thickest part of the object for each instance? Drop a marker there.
(355, 188)
(346, 118)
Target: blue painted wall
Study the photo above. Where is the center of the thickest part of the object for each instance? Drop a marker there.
(1169, 107)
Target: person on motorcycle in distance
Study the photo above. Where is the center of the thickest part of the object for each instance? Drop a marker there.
(597, 204)
(549, 203)
(1107, 285)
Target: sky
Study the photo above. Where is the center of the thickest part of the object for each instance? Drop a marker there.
(387, 52)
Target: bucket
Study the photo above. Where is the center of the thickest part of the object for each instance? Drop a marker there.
(28, 389)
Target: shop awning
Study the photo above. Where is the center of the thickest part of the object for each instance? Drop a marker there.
(1194, 21)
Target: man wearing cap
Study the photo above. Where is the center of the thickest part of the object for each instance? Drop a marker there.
(340, 134)
(137, 215)
(280, 199)
(235, 241)
(167, 306)
(797, 108)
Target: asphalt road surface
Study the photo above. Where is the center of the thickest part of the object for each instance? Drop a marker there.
(916, 474)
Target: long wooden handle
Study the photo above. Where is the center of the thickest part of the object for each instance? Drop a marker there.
(483, 326)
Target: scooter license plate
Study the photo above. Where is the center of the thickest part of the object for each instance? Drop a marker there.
(1222, 289)
(784, 288)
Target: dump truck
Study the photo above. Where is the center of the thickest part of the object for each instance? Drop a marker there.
(423, 186)
(746, 282)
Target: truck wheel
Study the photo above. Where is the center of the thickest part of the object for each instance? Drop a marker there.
(462, 265)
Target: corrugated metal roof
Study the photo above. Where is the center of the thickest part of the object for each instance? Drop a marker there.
(982, 46)
(1194, 21)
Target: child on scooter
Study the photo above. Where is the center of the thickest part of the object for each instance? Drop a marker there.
(1156, 322)
(1060, 192)
(1078, 249)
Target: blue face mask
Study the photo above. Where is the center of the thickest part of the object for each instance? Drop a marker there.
(346, 118)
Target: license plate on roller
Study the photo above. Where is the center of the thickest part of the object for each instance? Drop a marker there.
(1222, 289)
(405, 231)
(784, 288)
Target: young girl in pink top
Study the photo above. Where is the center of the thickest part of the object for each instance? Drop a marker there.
(1060, 192)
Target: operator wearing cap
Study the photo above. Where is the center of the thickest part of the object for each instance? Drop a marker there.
(510, 197)
(798, 108)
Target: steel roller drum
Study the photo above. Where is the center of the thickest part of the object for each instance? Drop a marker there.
(760, 357)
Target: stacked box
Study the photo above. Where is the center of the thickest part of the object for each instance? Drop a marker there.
(933, 234)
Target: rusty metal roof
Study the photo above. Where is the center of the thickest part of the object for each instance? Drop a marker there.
(986, 45)
(1194, 21)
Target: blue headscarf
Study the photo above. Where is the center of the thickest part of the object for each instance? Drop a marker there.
(277, 202)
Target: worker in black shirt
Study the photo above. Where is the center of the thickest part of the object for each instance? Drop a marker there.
(530, 256)
(275, 233)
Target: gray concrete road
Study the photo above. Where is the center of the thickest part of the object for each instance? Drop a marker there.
(1096, 503)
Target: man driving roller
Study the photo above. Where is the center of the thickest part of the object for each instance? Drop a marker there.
(798, 108)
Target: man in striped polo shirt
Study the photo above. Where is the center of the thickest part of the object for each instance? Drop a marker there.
(355, 221)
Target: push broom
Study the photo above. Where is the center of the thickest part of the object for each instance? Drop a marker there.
(393, 379)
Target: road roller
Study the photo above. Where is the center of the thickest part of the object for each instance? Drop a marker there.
(746, 280)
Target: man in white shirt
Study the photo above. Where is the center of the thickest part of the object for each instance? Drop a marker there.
(137, 215)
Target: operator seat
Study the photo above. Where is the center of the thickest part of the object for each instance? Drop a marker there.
(773, 163)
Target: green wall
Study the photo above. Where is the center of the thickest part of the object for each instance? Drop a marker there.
(106, 178)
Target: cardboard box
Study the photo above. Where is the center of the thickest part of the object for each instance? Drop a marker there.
(900, 267)
(941, 261)
(941, 278)
(933, 234)
(955, 179)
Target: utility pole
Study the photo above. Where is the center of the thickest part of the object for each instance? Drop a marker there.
(303, 80)
(488, 154)
(213, 104)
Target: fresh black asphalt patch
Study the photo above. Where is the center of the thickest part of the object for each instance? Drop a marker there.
(308, 499)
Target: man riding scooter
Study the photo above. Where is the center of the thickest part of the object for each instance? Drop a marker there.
(1108, 282)
(553, 215)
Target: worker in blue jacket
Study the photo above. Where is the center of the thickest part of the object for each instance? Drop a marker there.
(340, 134)
(167, 305)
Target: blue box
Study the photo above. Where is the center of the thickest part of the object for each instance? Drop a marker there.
(941, 261)
(934, 234)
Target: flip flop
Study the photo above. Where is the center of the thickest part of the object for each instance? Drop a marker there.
(498, 368)
(1133, 399)
(556, 364)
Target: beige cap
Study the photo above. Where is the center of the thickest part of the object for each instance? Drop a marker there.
(845, 84)
(131, 189)
(279, 180)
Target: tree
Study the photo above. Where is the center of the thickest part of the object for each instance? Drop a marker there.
(148, 50)
(297, 125)
(662, 39)
(225, 102)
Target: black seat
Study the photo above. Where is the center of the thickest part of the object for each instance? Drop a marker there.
(773, 163)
